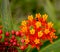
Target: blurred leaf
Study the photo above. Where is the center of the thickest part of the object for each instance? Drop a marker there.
(50, 11)
(6, 15)
(19, 50)
(15, 27)
(29, 49)
(55, 47)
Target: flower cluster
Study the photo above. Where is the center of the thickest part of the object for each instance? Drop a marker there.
(37, 30)
(33, 32)
(10, 41)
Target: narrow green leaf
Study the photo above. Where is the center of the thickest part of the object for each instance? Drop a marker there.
(55, 47)
(6, 15)
(29, 49)
(50, 11)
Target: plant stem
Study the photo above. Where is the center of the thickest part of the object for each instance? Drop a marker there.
(29, 49)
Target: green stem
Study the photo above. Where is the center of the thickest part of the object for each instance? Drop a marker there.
(29, 49)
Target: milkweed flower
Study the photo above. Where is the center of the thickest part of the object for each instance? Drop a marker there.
(36, 30)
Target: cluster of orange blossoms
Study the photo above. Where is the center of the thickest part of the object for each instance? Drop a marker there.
(37, 30)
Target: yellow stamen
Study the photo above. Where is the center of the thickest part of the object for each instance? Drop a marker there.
(32, 31)
(46, 31)
(23, 23)
(38, 24)
(38, 15)
(44, 17)
(27, 40)
(24, 29)
(37, 41)
(50, 24)
(40, 34)
(30, 18)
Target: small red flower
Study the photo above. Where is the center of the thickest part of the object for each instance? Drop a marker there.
(13, 37)
(0, 31)
(13, 32)
(22, 47)
(6, 43)
(11, 40)
(7, 34)
(14, 43)
(17, 33)
(22, 40)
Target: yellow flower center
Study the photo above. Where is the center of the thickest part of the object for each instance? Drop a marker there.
(32, 31)
(23, 23)
(45, 17)
(38, 24)
(46, 31)
(50, 24)
(27, 40)
(37, 41)
(30, 18)
(24, 29)
(38, 15)
(40, 34)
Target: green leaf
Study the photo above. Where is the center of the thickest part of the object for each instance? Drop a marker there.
(50, 10)
(55, 47)
(29, 49)
(19, 50)
(6, 15)
(15, 27)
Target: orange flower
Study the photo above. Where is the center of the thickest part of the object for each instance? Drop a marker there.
(23, 23)
(40, 34)
(38, 15)
(32, 31)
(50, 24)
(27, 40)
(38, 30)
(24, 29)
(38, 24)
(44, 17)
(30, 18)
(37, 41)
(46, 31)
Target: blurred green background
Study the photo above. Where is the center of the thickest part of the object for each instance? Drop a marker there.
(20, 9)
